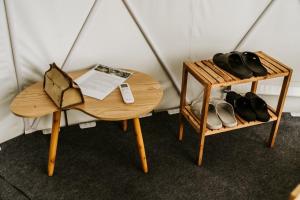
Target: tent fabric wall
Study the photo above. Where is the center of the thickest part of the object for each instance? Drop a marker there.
(42, 32)
(111, 37)
(84, 32)
(278, 34)
(11, 125)
(195, 30)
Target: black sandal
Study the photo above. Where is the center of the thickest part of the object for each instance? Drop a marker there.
(241, 105)
(232, 63)
(259, 106)
(253, 63)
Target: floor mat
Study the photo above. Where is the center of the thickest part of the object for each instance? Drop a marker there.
(103, 163)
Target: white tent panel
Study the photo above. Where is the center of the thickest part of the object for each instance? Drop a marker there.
(111, 37)
(43, 32)
(11, 125)
(218, 26)
(194, 29)
(278, 35)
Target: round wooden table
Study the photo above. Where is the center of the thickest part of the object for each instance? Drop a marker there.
(33, 102)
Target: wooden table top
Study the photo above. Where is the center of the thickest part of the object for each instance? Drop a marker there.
(33, 101)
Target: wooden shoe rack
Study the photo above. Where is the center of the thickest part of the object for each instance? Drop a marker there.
(211, 76)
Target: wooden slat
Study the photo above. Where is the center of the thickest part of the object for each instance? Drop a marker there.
(191, 118)
(218, 70)
(189, 110)
(275, 62)
(270, 65)
(225, 72)
(241, 119)
(216, 76)
(265, 64)
(198, 76)
(272, 109)
(196, 73)
(275, 75)
(281, 68)
(272, 115)
(231, 75)
(203, 73)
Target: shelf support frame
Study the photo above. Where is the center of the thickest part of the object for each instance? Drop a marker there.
(279, 109)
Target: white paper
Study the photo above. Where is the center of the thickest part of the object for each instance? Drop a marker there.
(101, 80)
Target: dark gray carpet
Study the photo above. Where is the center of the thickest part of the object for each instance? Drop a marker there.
(102, 163)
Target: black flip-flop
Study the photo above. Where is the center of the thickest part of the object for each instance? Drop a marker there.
(241, 105)
(253, 63)
(259, 106)
(233, 63)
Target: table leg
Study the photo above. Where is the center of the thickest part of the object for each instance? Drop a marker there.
(181, 127)
(284, 89)
(53, 141)
(125, 125)
(140, 144)
(206, 97)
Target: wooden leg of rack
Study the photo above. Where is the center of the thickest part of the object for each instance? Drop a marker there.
(283, 92)
(273, 134)
(181, 127)
(254, 86)
(53, 142)
(295, 194)
(125, 125)
(201, 148)
(140, 143)
(203, 120)
(182, 100)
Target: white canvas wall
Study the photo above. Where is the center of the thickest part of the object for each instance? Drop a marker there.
(111, 37)
(277, 32)
(11, 125)
(84, 32)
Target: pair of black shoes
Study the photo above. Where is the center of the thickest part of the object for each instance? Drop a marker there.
(250, 107)
(240, 64)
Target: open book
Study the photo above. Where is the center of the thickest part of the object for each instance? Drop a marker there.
(101, 80)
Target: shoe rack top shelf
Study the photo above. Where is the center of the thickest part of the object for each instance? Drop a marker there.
(209, 74)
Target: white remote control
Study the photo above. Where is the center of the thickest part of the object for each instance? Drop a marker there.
(126, 93)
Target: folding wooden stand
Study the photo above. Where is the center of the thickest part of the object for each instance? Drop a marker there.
(211, 76)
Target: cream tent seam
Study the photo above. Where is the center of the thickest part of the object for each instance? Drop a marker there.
(260, 16)
(79, 33)
(151, 46)
(12, 53)
(11, 44)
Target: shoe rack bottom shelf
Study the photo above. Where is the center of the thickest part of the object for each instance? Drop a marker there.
(195, 121)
